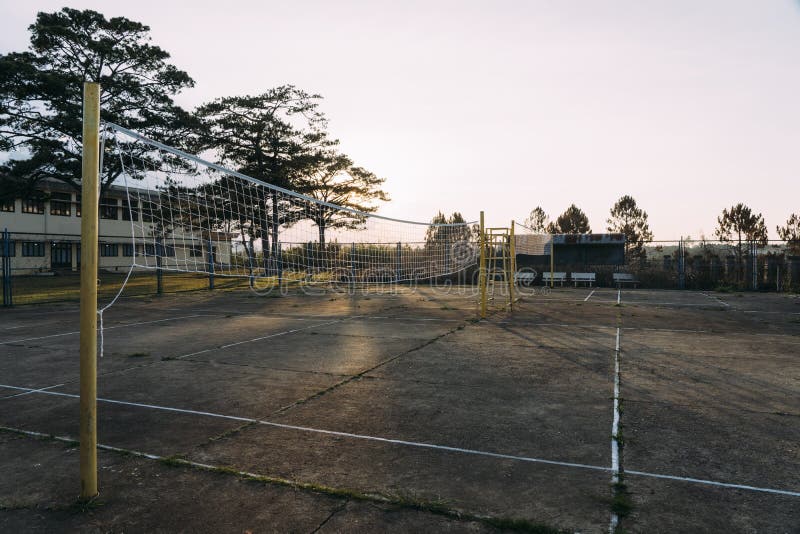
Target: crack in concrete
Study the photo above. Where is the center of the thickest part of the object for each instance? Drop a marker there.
(335, 511)
(360, 374)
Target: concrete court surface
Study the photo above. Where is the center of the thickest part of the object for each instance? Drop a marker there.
(398, 411)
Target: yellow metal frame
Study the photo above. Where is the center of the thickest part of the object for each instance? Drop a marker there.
(496, 246)
(482, 283)
(90, 193)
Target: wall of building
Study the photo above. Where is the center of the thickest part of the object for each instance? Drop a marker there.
(60, 235)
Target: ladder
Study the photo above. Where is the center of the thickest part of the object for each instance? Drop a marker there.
(497, 265)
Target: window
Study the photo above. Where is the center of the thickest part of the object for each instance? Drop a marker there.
(196, 251)
(34, 249)
(7, 205)
(12, 248)
(109, 208)
(163, 250)
(109, 250)
(127, 250)
(33, 205)
(60, 204)
(148, 211)
(78, 205)
(130, 208)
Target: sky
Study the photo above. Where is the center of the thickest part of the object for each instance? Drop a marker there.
(689, 106)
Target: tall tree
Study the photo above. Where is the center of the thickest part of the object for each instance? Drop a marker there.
(275, 137)
(449, 230)
(537, 221)
(630, 220)
(740, 224)
(572, 221)
(791, 233)
(334, 179)
(41, 93)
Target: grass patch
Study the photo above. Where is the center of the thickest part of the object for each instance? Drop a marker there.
(174, 461)
(139, 355)
(521, 525)
(81, 506)
(6, 506)
(621, 504)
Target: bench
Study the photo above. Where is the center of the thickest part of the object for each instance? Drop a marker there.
(524, 278)
(556, 277)
(625, 278)
(586, 278)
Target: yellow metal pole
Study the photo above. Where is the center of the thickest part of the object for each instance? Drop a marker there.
(482, 268)
(88, 314)
(513, 266)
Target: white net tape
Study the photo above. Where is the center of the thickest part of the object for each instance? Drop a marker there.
(191, 215)
(526, 241)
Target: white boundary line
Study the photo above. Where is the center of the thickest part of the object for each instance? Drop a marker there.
(615, 434)
(716, 298)
(32, 391)
(589, 295)
(126, 325)
(313, 317)
(415, 443)
(259, 338)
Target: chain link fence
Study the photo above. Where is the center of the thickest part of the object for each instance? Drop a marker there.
(687, 264)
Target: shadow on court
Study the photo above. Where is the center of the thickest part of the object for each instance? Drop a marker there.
(398, 411)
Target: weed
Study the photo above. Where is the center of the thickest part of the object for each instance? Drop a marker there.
(621, 504)
(82, 505)
(174, 461)
(139, 355)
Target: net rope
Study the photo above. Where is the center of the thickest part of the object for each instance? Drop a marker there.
(191, 215)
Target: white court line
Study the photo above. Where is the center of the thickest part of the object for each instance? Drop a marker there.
(606, 327)
(764, 311)
(414, 443)
(32, 391)
(313, 317)
(713, 483)
(255, 475)
(590, 295)
(259, 338)
(615, 435)
(716, 298)
(107, 328)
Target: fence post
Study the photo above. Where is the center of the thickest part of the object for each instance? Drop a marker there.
(353, 268)
(279, 258)
(681, 266)
(210, 264)
(159, 270)
(7, 296)
(398, 262)
(482, 274)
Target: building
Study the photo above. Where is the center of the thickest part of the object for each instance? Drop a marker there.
(45, 233)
